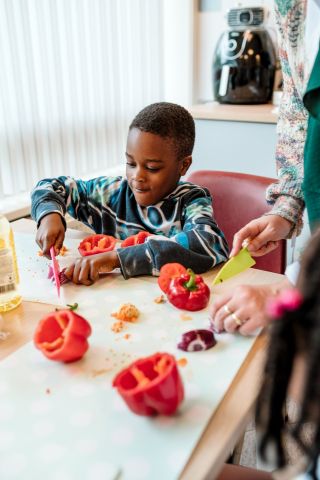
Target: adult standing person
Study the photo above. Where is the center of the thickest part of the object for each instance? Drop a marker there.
(297, 157)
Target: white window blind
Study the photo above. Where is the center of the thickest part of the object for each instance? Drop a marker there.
(73, 75)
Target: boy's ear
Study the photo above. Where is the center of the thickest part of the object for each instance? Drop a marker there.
(185, 165)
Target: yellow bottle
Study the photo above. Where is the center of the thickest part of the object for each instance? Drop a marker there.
(9, 276)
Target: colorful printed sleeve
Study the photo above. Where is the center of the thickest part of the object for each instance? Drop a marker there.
(81, 199)
(286, 195)
(199, 246)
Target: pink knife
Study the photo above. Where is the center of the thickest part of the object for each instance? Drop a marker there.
(56, 269)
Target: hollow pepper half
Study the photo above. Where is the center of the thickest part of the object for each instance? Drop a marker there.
(168, 272)
(151, 385)
(188, 292)
(135, 239)
(62, 336)
(97, 243)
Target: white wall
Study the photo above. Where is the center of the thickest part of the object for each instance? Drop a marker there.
(208, 26)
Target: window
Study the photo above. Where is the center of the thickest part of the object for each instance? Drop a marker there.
(75, 72)
(73, 75)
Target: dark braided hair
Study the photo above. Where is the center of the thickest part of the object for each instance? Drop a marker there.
(171, 121)
(297, 332)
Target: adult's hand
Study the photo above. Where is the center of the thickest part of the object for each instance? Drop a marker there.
(244, 309)
(263, 235)
(50, 233)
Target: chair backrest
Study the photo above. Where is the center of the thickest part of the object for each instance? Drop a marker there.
(237, 199)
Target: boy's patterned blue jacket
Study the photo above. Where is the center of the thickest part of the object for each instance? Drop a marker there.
(182, 223)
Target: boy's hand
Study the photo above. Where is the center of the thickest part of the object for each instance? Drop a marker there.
(50, 233)
(263, 234)
(86, 270)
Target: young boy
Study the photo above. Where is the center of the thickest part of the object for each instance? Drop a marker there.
(178, 214)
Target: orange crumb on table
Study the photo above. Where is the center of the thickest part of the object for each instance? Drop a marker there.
(127, 313)
(117, 327)
(101, 371)
(182, 362)
(63, 250)
(159, 299)
(48, 391)
(184, 316)
(127, 336)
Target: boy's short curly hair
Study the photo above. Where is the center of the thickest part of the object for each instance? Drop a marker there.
(168, 120)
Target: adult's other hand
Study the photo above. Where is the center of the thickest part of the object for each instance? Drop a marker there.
(245, 308)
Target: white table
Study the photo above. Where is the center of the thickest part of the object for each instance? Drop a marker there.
(228, 419)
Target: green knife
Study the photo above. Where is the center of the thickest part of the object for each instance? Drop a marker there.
(242, 261)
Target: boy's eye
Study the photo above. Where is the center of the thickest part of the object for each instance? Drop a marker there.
(132, 165)
(152, 169)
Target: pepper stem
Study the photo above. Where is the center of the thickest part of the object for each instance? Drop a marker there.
(191, 283)
(72, 307)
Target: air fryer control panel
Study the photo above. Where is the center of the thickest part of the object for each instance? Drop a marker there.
(244, 17)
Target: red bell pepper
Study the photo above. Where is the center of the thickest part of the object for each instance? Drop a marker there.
(151, 385)
(135, 239)
(97, 243)
(62, 336)
(168, 272)
(188, 292)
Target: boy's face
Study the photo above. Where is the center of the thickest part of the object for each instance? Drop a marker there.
(153, 169)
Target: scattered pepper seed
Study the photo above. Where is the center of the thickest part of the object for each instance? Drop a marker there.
(160, 299)
(101, 371)
(182, 362)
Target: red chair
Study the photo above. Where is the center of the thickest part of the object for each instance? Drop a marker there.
(237, 199)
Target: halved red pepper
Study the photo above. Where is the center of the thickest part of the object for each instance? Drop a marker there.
(168, 272)
(136, 239)
(188, 292)
(62, 336)
(97, 243)
(151, 385)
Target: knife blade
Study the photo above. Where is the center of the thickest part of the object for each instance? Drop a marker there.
(237, 264)
(56, 269)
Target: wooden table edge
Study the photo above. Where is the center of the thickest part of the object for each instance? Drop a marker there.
(230, 417)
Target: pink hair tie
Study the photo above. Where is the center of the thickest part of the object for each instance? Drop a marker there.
(288, 301)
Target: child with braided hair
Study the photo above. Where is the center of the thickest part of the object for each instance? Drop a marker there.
(292, 369)
(294, 366)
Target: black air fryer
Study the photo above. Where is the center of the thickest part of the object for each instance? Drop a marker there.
(244, 60)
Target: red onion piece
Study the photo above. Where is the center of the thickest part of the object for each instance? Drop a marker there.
(197, 340)
(62, 277)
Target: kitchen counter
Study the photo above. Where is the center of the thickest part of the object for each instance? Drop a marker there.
(266, 113)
